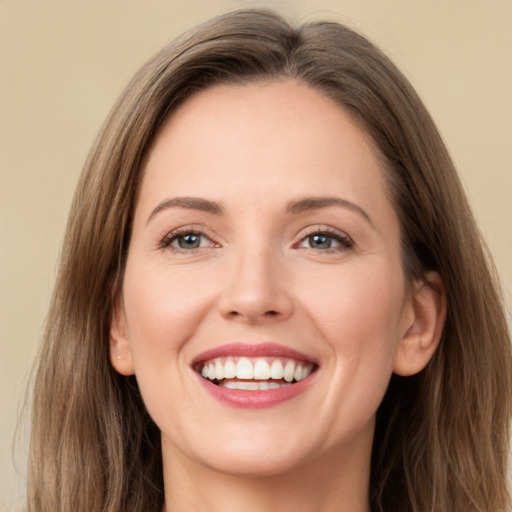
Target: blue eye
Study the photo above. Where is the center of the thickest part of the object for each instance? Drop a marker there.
(320, 241)
(324, 241)
(190, 241)
(186, 241)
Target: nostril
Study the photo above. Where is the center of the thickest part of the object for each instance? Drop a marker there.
(267, 314)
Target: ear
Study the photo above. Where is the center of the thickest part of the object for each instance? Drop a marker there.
(120, 346)
(425, 323)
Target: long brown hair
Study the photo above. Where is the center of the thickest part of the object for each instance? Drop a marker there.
(441, 439)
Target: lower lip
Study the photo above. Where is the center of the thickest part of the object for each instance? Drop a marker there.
(261, 399)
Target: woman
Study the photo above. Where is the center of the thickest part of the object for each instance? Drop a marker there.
(272, 294)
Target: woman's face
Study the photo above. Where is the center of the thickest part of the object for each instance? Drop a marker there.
(264, 245)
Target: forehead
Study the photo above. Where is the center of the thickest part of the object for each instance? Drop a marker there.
(251, 107)
(268, 137)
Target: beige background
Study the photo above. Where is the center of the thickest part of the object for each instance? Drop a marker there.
(63, 63)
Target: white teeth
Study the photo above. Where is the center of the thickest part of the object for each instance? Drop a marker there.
(259, 369)
(229, 369)
(276, 370)
(244, 369)
(297, 375)
(252, 386)
(248, 386)
(211, 371)
(289, 370)
(219, 370)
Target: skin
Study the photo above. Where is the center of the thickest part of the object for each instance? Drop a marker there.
(258, 276)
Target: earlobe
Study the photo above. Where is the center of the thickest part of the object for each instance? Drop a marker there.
(120, 347)
(422, 335)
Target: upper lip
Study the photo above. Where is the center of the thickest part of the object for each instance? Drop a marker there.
(254, 350)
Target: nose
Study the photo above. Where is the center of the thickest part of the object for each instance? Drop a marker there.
(257, 289)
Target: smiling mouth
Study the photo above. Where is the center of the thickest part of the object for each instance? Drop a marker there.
(254, 373)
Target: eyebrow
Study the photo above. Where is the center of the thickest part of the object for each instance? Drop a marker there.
(297, 206)
(314, 203)
(191, 203)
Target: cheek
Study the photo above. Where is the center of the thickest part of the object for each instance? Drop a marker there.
(163, 310)
(358, 303)
(360, 323)
(359, 316)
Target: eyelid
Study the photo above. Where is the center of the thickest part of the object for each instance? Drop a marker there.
(192, 229)
(342, 237)
(345, 241)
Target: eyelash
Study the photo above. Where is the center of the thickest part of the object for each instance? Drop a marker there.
(181, 233)
(344, 241)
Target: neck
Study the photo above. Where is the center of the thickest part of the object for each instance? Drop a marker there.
(327, 484)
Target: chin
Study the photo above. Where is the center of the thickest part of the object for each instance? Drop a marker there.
(257, 465)
(253, 455)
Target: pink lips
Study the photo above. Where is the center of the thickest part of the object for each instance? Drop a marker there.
(260, 350)
(254, 399)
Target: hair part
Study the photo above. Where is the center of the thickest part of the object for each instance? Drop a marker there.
(441, 438)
